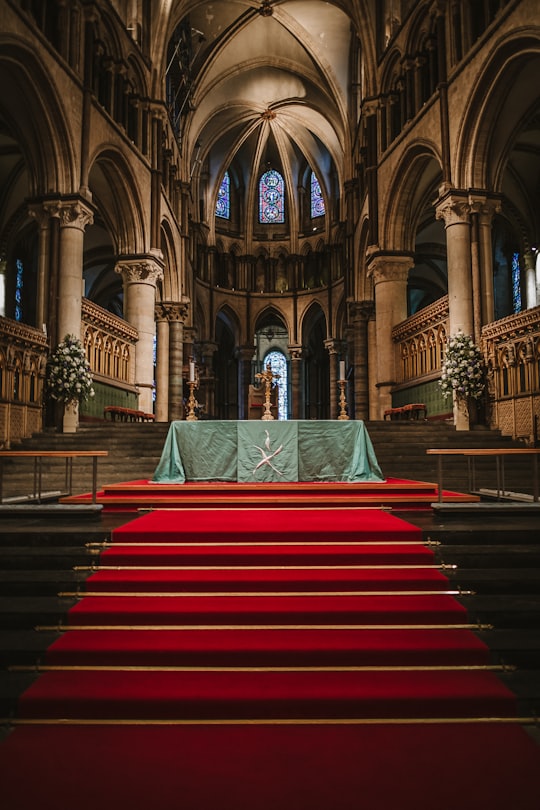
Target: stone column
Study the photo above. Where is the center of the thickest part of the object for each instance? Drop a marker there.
(333, 347)
(389, 273)
(244, 356)
(207, 379)
(140, 275)
(485, 208)
(176, 313)
(162, 365)
(359, 314)
(455, 209)
(74, 216)
(297, 389)
(43, 219)
(531, 292)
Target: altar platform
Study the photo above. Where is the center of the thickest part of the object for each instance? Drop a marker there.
(263, 464)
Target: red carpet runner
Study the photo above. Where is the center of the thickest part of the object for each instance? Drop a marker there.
(250, 658)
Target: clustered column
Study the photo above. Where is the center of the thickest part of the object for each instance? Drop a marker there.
(359, 314)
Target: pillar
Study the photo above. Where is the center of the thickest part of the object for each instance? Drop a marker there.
(244, 355)
(484, 208)
(74, 216)
(454, 209)
(140, 276)
(162, 364)
(176, 314)
(42, 217)
(333, 347)
(531, 292)
(389, 273)
(297, 389)
(359, 314)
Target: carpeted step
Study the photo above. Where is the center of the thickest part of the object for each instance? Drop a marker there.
(266, 553)
(278, 525)
(202, 694)
(253, 610)
(268, 579)
(268, 647)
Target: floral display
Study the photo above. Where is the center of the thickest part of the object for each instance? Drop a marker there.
(463, 371)
(68, 373)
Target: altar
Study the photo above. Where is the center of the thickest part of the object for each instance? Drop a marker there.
(267, 451)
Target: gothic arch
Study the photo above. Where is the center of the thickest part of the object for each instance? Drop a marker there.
(31, 106)
(504, 96)
(415, 183)
(116, 194)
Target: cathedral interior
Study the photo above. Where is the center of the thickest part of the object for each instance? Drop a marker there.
(332, 188)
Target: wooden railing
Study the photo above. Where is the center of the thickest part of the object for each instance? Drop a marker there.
(38, 455)
(23, 359)
(511, 348)
(420, 342)
(499, 454)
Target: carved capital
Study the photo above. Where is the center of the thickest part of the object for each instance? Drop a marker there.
(172, 311)
(71, 213)
(360, 310)
(386, 267)
(454, 209)
(141, 269)
(485, 206)
(295, 352)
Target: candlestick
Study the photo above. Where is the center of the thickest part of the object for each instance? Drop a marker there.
(191, 371)
(342, 400)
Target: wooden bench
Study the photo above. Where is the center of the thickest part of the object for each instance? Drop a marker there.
(499, 454)
(39, 455)
(413, 410)
(119, 414)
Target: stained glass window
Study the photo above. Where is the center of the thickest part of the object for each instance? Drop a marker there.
(516, 283)
(19, 290)
(223, 204)
(278, 364)
(317, 200)
(271, 198)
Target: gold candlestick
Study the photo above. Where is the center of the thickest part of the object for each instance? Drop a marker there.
(268, 376)
(191, 403)
(342, 400)
(193, 384)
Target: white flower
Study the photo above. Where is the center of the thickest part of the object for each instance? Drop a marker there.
(463, 368)
(69, 375)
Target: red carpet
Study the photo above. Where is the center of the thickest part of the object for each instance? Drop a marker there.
(294, 659)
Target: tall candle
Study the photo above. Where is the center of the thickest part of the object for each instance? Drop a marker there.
(342, 369)
(191, 371)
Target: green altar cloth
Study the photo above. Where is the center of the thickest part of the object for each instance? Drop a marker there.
(265, 451)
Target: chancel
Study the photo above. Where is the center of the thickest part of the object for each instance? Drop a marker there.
(269, 404)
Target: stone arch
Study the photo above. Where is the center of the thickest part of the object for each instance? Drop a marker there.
(415, 183)
(495, 111)
(116, 195)
(33, 109)
(172, 283)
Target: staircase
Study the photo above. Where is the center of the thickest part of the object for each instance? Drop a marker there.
(496, 557)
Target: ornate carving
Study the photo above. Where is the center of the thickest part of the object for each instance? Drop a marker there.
(454, 209)
(103, 319)
(429, 316)
(71, 213)
(172, 311)
(141, 269)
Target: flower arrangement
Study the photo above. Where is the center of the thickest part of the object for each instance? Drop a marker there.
(463, 370)
(68, 372)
